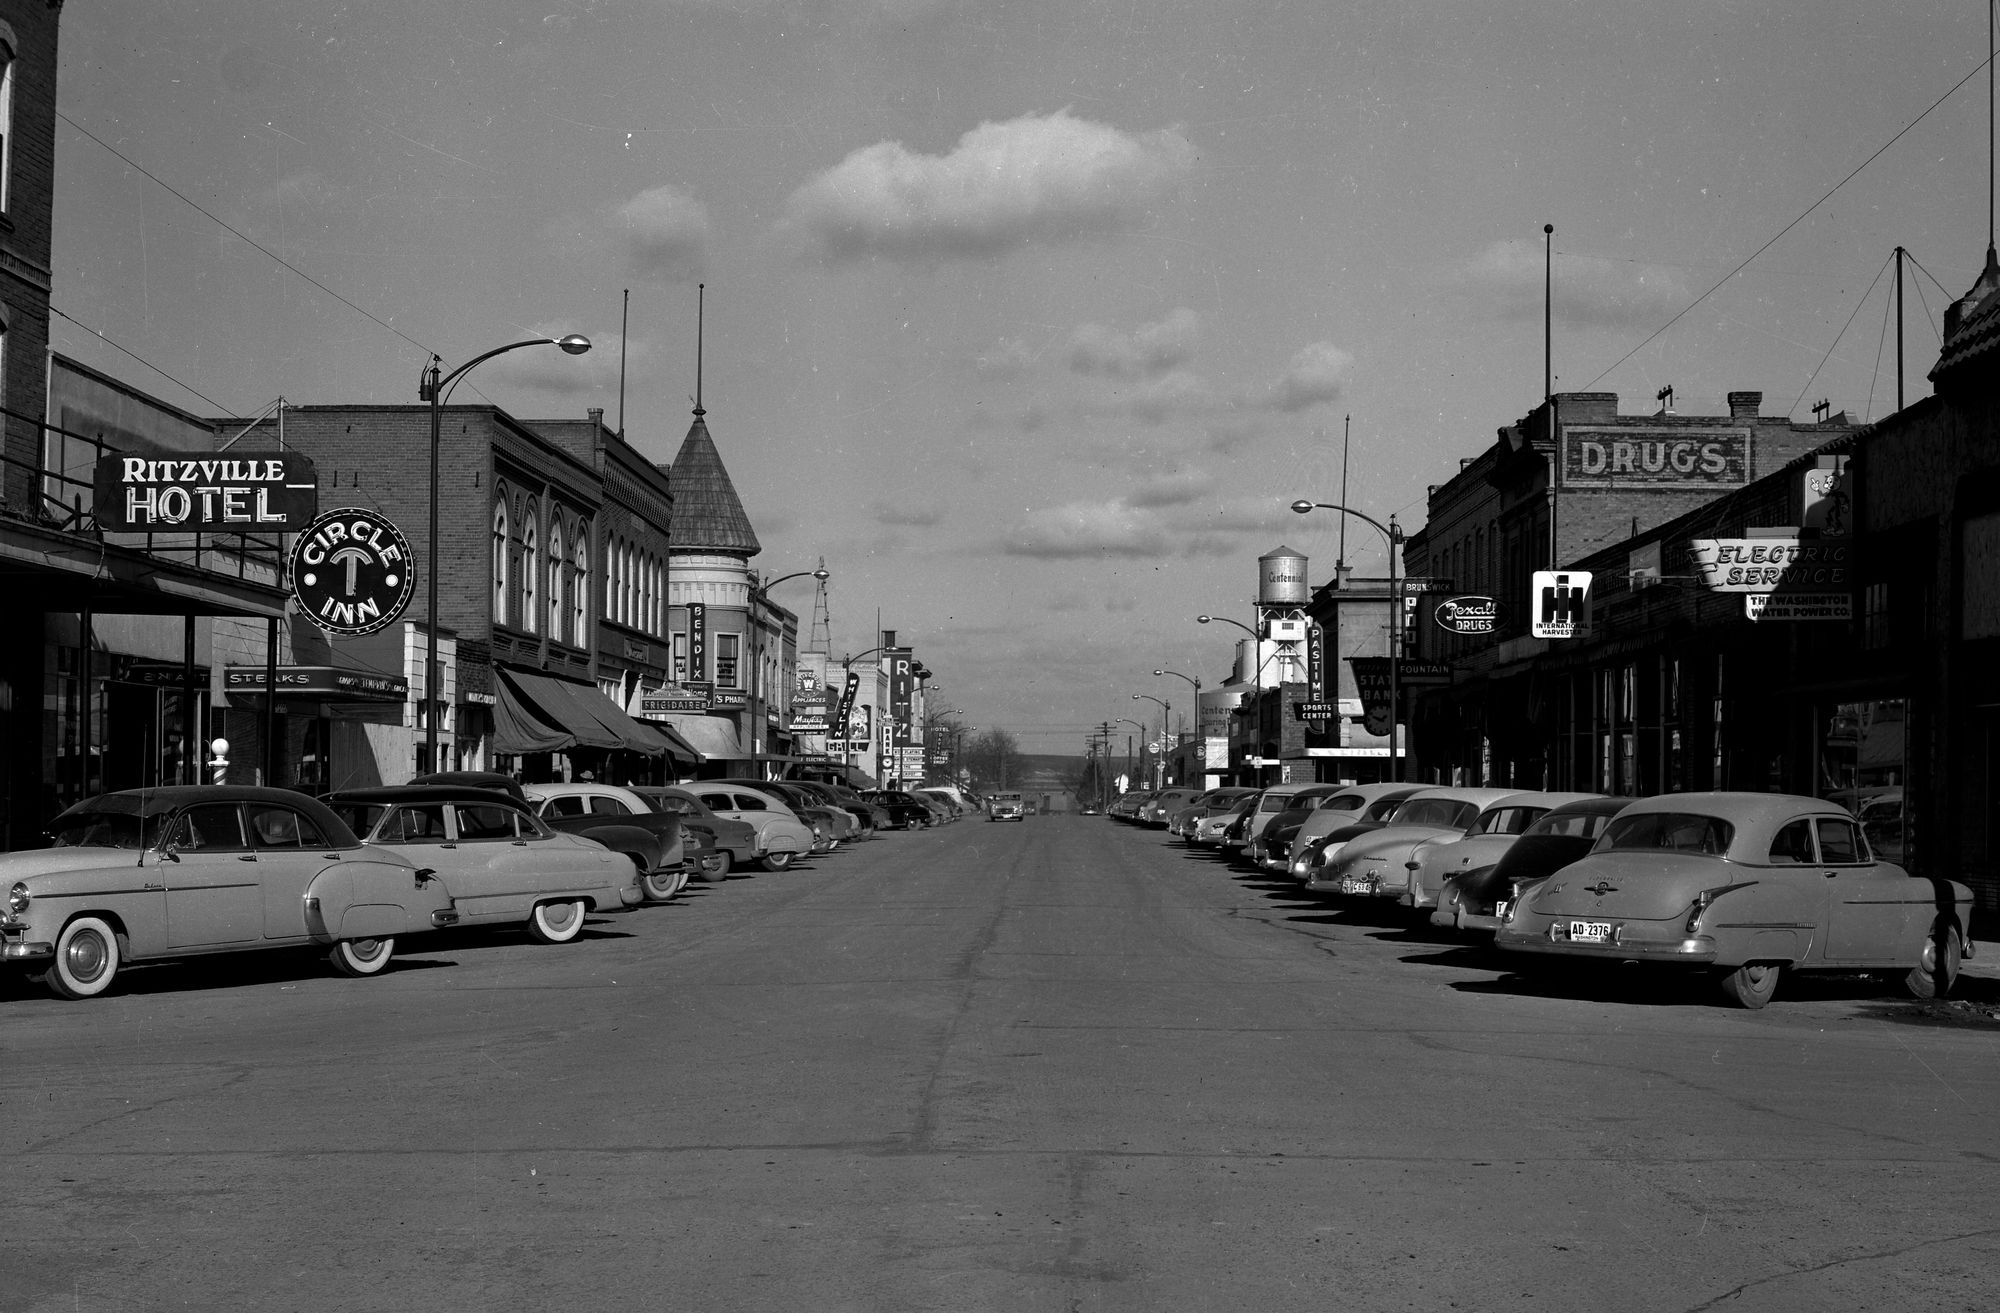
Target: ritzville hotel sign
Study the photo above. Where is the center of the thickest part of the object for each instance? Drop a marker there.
(184, 494)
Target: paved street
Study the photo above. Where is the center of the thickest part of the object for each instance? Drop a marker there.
(1048, 1066)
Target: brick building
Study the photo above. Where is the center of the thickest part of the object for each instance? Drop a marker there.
(104, 674)
(1570, 478)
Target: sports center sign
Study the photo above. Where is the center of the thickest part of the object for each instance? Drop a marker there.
(1637, 457)
(351, 572)
(186, 494)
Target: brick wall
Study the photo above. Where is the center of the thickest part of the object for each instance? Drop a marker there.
(25, 240)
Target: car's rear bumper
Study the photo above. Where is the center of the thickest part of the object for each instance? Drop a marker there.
(1628, 946)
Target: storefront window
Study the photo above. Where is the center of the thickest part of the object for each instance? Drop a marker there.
(726, 650)
(1863, 765)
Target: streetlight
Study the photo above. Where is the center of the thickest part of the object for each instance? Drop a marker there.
(1166, 710)
(762, 694)
(847, 739)
(1127, 720)
(1197, 712)
(1392, 534)
(432, 388)
(1208, 619)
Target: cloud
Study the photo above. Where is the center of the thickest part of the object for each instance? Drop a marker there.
(1506, 281)
(1147, 350)
(546, 369)
(664, 233)
(1315, 376)
(915, 517)
(1007, 358)
(1163, 519)
(1005, 186)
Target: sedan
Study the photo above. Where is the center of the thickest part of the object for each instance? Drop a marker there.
(1483, 843)
(1477, 900)
(1376, 865)
(905, 812)
(730, 843)
(194, 869)
(497, 860)
(1746, 886)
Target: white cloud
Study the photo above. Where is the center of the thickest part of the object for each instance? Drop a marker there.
(1507, 280)
(665, 234)
(1005, 186)
(1147, 350)
(1315, 376)
(1007, 358)
(547, 369)
(1167, 517)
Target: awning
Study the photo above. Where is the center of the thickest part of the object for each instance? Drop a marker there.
(538, 713)
(711, 736)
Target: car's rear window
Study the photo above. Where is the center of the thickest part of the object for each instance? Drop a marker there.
(1343, 802)
(1681, 832)
(1436, 811)
(1509, 820)
(1572, 825)
(1383, 808)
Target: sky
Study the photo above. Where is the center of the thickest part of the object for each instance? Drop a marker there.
(1030, 317)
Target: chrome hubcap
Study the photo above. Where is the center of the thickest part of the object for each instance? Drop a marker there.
(85, 957)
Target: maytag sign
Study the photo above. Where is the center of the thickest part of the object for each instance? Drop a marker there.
(184, 494)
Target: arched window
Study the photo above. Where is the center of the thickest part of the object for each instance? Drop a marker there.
(611, 579)
(531, 569)
(7, 49)
(558, 611)
(500, 593)
(580, 594)
(627, 584)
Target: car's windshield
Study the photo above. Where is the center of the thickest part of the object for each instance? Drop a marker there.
(1572, 825)
(1448, 812)
(359, 816)
(105, 829)
(1683, 832)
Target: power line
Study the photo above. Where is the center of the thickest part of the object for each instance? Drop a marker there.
(239, 235)
(1803, 214)
(141, 359)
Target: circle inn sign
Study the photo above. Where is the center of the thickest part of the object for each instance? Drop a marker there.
(351, 571)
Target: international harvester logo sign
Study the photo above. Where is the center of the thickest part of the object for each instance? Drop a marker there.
(351, 572)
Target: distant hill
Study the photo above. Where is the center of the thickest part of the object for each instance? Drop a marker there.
(1045, 772)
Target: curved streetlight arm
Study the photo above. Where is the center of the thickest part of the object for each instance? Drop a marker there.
(1149, 697)
(1392, 533)
(433, 388)
(1178, 675)
(1206, 619)
(848, 663)
(821, 574)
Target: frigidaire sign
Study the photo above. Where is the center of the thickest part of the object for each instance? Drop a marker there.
(351, 571)
(1468, 615)
(228, 494)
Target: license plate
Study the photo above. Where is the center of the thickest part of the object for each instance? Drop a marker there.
(1500, 909)
(1589, 932)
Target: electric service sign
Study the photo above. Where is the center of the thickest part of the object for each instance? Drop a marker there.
(352, 572)
(210, 494)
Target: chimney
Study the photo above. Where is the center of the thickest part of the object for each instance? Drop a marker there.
(888, 638)
(596, 414)
(1744, 405)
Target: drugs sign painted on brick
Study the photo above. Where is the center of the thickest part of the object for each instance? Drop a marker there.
(1638, 457)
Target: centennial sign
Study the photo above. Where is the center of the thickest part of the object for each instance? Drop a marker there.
(1468, 615)
(351, 572)
(228, 494)
(1638, 457)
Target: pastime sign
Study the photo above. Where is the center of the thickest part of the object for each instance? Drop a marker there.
(183, 494)
(351, 572)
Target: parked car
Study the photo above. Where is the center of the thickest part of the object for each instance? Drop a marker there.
(1006, 807)
(729, 843)
(591, 809)
(1161, 806)
(905, 812)
(1208, 831)
(1310, 858)
(1273, 800)
(183, 870)
(1184, 821)
(1482, 843)
(829, 826)
(953, 807)
(1747, 886)
(498, 862)
(1126, 804)
(1374, 865)
(1348, 808)
(1474, 902)
(781, 836)
(1271, 845)
(867, 815)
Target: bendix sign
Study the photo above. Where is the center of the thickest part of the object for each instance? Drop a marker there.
(351, 572)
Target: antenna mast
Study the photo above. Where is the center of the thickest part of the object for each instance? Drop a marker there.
(700, 310)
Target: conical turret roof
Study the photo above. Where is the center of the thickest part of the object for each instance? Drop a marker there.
(708, 515)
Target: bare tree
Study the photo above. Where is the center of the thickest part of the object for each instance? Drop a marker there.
(994, 759)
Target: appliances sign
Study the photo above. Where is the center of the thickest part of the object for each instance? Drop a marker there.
(230, 494)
